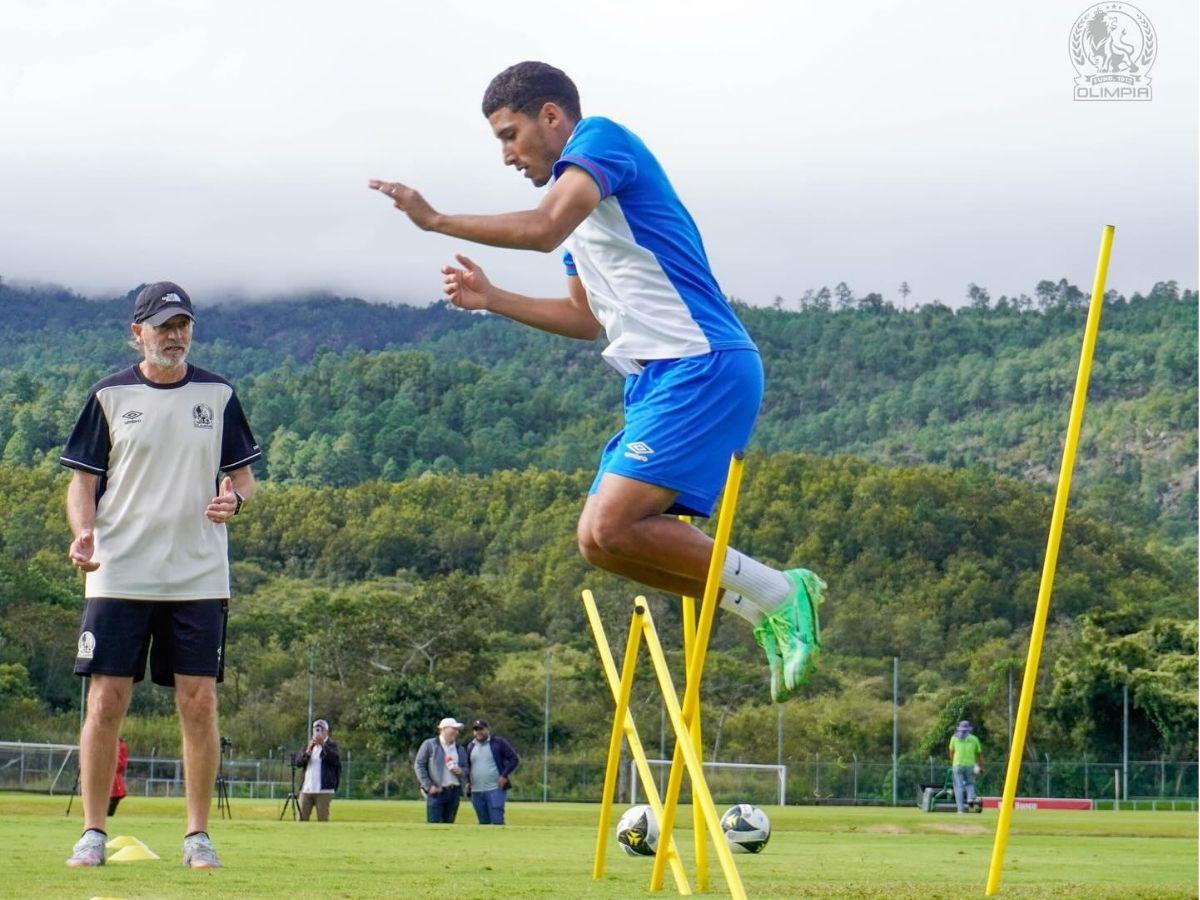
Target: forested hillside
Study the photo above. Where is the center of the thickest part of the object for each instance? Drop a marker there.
(424, 468)
(988, 384)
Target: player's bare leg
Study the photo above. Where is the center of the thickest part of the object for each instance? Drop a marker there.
(624, 529)
(196, 698)
(108, 699)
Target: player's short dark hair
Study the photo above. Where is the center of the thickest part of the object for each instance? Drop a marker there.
(527, 86)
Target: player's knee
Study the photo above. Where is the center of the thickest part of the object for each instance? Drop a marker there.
(585, 538)
(197, 702)
(106, 708)
(611, 536)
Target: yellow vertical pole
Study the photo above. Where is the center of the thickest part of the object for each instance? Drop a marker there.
(1057, 518)
(614, 741)
(691, 760)
(631, 735)
(695, 664)
(689, 644)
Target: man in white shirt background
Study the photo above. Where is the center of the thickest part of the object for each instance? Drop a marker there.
(322, 765)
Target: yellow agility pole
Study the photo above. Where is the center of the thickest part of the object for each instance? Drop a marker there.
(695, 768)
(695, 666)
(1048, 566)
(635, 744)
(689, 644)
(614, 741)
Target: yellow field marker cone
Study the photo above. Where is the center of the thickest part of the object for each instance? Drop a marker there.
(121, 841)
(133, 852)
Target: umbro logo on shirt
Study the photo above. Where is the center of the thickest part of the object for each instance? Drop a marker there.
(639, 451)
(133, 417)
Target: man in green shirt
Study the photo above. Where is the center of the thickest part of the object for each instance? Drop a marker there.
(966, 758)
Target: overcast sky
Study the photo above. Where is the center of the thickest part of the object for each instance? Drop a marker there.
(227, 145)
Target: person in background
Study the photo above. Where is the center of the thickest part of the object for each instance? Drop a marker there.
(492, 760)
(322, 765)
(966, 759)
(118, 785)
(443, 768)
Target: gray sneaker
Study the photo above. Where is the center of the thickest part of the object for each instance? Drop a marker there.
(89, 850)
(198, 852)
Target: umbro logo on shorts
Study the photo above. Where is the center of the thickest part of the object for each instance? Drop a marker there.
(638, 450)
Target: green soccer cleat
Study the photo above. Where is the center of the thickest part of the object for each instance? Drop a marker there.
(797, 628)
(765, 636)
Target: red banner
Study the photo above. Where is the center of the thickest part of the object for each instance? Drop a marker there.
(1041, 803)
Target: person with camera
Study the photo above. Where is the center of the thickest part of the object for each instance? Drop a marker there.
(443, 768)
(322, 765)
(160, 458)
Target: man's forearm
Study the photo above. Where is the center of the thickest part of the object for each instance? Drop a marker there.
(528, 230)
(81, 503)
(243, 481)
(558, 316)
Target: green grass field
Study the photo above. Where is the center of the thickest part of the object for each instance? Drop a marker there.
(384, 849)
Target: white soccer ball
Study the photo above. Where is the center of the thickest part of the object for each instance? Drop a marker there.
(637, 832)
(747, 828)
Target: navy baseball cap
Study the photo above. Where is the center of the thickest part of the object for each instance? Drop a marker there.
(160, 301)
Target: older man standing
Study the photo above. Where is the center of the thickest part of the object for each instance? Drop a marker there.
(443, 769)
(148, 509)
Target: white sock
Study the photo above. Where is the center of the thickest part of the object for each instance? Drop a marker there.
(742, 606)
(767, 588)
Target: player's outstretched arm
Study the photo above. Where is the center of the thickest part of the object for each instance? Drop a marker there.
(469, 288)
(573, 196)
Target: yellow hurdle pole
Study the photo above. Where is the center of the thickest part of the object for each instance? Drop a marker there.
(1059, 514)
(631, 735)
(700, 793)
(689, 643)
(614, 741)
(695, 664)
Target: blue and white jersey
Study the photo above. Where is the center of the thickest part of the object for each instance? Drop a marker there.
(640, 256)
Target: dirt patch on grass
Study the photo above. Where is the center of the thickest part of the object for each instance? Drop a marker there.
(886, 829)
(959, 829)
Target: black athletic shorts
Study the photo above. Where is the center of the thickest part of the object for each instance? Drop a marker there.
(180, 637)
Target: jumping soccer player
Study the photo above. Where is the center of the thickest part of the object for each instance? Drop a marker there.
(636, 270)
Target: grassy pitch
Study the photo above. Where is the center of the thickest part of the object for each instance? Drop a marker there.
(384, 849)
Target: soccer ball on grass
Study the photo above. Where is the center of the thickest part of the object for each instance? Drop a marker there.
(747, 828)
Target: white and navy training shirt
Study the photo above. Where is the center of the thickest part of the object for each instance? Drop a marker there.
(640, 256)
(159, 450)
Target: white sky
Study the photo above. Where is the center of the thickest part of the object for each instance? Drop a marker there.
(226, 145)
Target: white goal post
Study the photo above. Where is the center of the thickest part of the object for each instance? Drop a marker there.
(662, 767)
(36, 767)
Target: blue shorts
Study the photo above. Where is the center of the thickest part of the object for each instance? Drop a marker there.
(684, 419)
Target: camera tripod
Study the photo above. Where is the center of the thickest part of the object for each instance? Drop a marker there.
(222, 782)
(291, 800)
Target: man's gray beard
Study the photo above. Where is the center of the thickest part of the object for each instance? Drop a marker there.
(165, 362)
